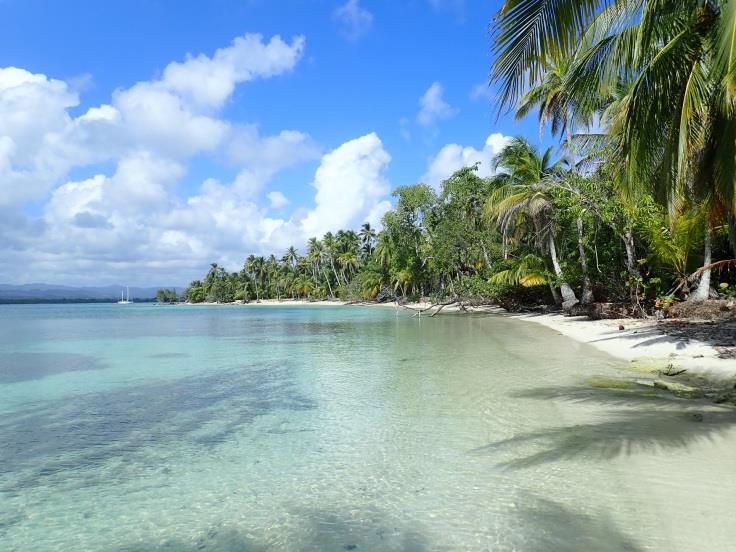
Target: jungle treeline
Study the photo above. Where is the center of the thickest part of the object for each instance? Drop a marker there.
(636, 203)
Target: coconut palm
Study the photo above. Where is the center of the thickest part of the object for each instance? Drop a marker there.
(555, 100)
(521, 202)
(384, 250)
(527, 271)
(291, 256)
(349, 262)
(367, 236)
(330, 249)
(678, 123)
(314, 255)
(402, 281)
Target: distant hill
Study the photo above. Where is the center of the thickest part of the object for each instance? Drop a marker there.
(50, 293)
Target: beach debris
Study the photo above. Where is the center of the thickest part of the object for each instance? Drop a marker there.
(680, 389)
(668, 371)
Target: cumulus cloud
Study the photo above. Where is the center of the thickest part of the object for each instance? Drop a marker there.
(132, 222)
(354, 21)
(454, 156)
(209, 81)
(246, 146)
(174, 116)
(131, 225)
(349, 182)
(129, 220)
(433, 107)
(277, 199)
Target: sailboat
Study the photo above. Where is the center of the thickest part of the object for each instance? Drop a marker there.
(127, 300)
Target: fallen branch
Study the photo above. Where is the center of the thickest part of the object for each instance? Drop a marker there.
(439, 310)
(419, 311)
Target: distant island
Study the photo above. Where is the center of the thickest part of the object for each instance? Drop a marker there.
(51, 293)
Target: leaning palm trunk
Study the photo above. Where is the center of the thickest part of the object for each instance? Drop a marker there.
(587, 297)
(702, 292)
(555, 294)
(327, 279)
(568, 295)
(334, 271)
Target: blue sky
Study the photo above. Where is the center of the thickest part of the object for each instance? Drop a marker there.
(337, 99)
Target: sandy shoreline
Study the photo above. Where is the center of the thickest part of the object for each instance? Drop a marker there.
(643, 343)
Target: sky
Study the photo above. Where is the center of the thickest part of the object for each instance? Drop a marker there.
(141, 140)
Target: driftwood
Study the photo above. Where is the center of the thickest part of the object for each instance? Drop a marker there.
(418, 311)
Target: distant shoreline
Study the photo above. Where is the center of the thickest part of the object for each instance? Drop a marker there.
(41, 301)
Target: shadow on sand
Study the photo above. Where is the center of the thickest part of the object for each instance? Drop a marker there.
(536, 524)
(645, 421)
(310, 530)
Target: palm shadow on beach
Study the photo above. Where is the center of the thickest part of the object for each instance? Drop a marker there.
(317, 530)
(536, 524)
(644, 420)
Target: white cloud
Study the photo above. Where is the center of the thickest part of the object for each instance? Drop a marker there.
(354, 21)
(133, 223)
(454, 156)
(132, 227)
(433, 107)
(32, 118)
(350, 182)
(175, 116)
(289, 147)
(208, 82)
(277, 199)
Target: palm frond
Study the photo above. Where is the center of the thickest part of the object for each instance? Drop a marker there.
(528, 33)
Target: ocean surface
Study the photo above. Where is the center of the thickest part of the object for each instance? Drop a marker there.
(148, 428)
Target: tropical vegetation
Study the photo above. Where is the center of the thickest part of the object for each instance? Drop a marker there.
(636, 203)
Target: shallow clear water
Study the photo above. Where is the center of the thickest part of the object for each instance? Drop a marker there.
(341, 428)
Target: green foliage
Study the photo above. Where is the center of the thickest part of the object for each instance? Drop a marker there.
(195, 293)
(727, 289)
(166, 296)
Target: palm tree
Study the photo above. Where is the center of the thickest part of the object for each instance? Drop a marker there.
(554, 99)
(678, 123)
(402, 281)
(314, 254)
(527, 271)
(521, 201)
(349, 262)
(330, 246)
(367, 236)
(255, 267)
(384, 250)
(291, 256)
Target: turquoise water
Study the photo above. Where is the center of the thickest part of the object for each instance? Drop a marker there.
(340, 428)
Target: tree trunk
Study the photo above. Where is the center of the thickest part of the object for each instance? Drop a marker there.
(332, 264)
(555, 294)
(703, 290)
(485, 254)
(327, 279)
(568, 295)
(587, 297)
(631, 266)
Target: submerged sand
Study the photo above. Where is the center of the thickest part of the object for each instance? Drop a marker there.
(646, 344)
